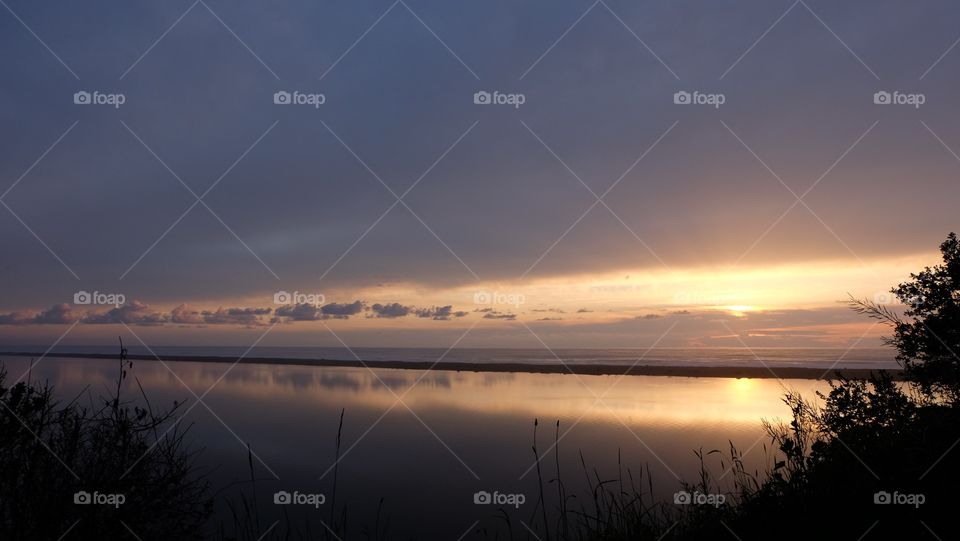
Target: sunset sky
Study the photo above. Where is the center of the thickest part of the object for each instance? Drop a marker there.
(596, 213)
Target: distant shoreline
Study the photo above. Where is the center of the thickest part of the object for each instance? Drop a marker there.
(768, 371)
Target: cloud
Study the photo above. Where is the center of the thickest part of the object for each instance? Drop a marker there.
(135, 313)
(439, 313)
(58, 314)
(140, 313)
(584, 311)
(308, 312)
(183, 314)
(342, 310)
(391, 310)
(498, 315)
(221, 316)
(649, 316)
(235, 316)
(312, 312)
(299, 312)
(15, 318)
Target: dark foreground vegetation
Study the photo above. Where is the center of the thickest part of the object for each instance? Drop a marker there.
(871, 459)
(53, 456)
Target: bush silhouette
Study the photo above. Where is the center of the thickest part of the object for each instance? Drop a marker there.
(875, 445)
(54, 455)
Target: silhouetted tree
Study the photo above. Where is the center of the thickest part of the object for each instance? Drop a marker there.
(927, 336)
(878, 436)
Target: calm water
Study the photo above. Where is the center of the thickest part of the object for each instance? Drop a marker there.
(730, 356)
(453, 433)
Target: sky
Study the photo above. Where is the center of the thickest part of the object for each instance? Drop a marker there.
(480, 174)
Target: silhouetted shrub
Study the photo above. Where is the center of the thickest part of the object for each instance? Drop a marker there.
(105, 470)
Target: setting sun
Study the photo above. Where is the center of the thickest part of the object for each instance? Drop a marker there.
(739, 310)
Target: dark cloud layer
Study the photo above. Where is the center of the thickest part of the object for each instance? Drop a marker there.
(300, 312)
(135, 313)
(391, 310)
(55, 315)
(287, 198)
(235, 316)
(139, 313)
(439, 313)
(299, 200)
(342, 310)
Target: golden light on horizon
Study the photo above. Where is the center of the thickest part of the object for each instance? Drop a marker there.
(739, 310)
(629, 301)
(743, 386)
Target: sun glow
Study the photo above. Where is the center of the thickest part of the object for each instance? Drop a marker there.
(743, 385)
(625, 307)
(739, 310)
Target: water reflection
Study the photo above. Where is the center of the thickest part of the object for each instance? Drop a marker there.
(453, 433)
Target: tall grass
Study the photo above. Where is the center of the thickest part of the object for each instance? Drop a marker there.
(623, 506)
